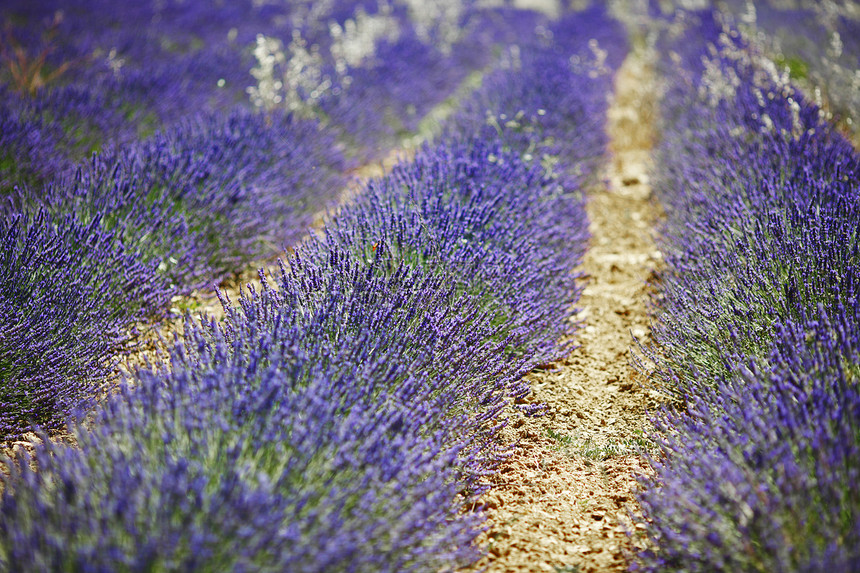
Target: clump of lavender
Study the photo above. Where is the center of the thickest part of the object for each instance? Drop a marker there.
(402, 83)
(69, 293)
(27, 151)
(186, 205)
(173, 212)
(208, 466)
(373, 73)
(132, 79)
(466, 211)
(758, 326)
(567, 77)
(154, 61)
(761, 195)
(210, 195)
(760, 470)
(45, 136)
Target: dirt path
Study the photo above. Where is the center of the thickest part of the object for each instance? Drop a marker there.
(561, 502)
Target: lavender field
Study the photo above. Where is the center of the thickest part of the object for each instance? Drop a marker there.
(352, 408)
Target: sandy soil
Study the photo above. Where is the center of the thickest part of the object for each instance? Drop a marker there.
(561, 502)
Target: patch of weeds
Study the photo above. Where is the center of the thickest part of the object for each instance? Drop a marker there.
(563, 439)
(635, 445)
(186, 304)
(28, 72)
(798, 69)
(591, 451)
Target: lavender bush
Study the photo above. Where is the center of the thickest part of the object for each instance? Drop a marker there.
(210, 195)
(374, 76)
(753, 190)
(758, 328)
(174, 213)
(27, 151)
(532, 112)
(46, 136)
(760, 469)
(66, 312)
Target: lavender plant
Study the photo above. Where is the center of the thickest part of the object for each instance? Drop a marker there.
(27, 152)
(144, 207)
(132, 79)
(761, 176)
(759, 470)
(532, 112)
(209, 467)
(66, 313)
(207, 197)
(758, 323)
(175, 212)
(376, 74)
(49, 134)
(404, 81)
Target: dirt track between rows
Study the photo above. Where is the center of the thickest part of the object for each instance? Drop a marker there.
(561, 503)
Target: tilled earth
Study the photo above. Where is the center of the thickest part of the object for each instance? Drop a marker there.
(562, 501)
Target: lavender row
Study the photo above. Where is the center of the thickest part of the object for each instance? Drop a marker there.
(78, 75)
(341, 417)
(758, 332)
(66, 311)
(105, 248)
(185, 206)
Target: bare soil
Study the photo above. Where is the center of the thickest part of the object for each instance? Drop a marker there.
(562, 501)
